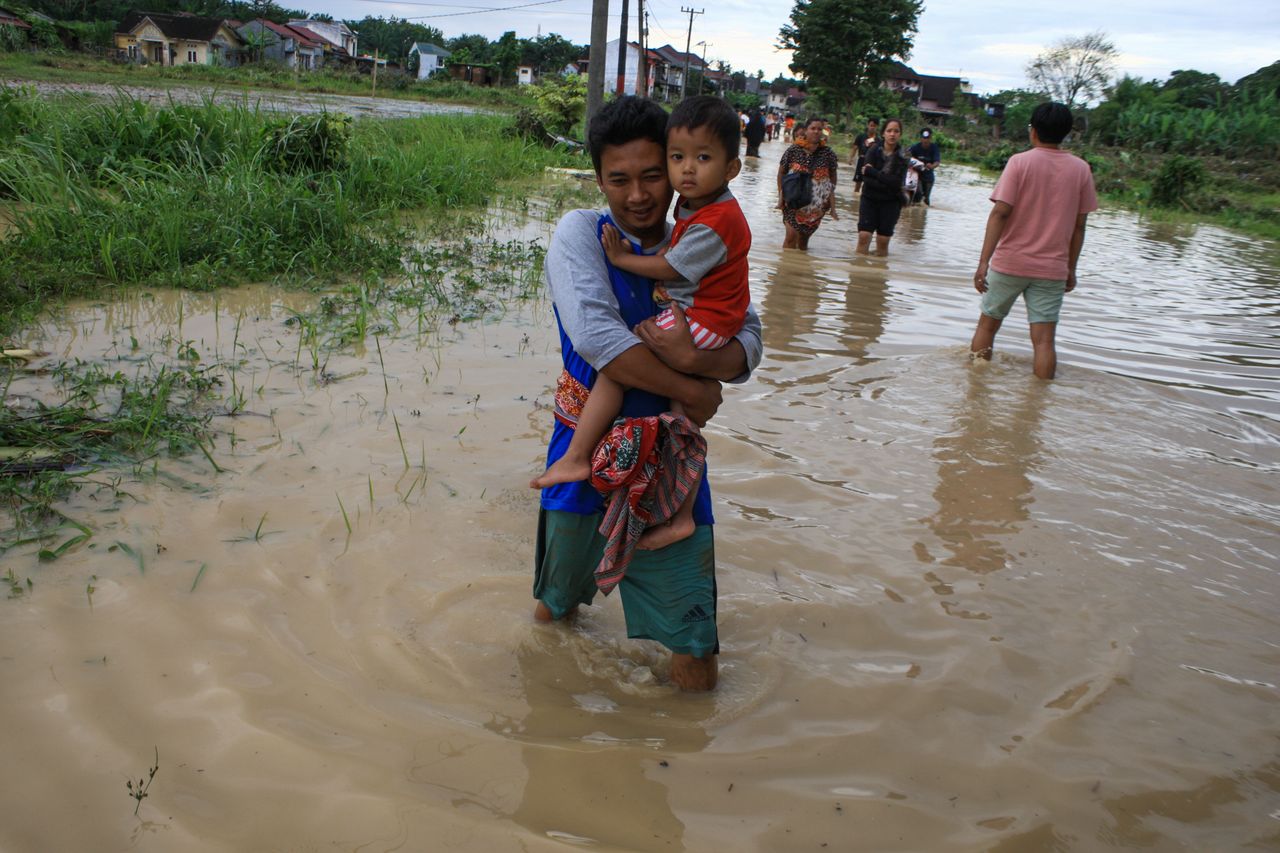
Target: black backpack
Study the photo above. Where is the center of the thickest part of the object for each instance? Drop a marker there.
(797, 189)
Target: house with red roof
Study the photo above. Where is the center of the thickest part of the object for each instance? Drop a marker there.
(267, 41)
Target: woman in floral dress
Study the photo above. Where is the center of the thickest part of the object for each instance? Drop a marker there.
(809, 154)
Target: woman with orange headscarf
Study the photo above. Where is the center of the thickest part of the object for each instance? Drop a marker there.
(811, 155)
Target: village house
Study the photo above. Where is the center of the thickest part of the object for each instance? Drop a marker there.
(177, 39)
(431, 58)
(933, 96)
(338, 40)
(271, 42)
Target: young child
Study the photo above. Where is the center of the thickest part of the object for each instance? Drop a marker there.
(704, 269)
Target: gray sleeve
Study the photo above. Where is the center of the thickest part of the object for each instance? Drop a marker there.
(578, 281)
(752, 343)
(698, 251)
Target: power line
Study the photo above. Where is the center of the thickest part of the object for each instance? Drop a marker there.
(479, 9)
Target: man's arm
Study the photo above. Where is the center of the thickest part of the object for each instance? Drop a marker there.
(1073, 253)
(639, 368)
(996, 222)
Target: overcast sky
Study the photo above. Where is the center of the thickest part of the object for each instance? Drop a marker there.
(987, 42)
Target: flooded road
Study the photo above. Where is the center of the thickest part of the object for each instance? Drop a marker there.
(961, 609)
(268, 100)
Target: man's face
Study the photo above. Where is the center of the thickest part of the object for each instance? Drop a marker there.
(633, 178)
(872, 127)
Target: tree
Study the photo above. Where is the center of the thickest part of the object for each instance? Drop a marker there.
(845, 47)
(1076, 69)
(391, 38)
(506, 55)
(476, 49)
(551, 53)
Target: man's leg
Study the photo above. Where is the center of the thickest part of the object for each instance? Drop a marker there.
(984, 337)
(696, 675)
(669, 596)
(1046, 355)
(566, 553)
(882, 245)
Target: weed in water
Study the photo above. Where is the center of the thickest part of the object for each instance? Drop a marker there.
(140, 791)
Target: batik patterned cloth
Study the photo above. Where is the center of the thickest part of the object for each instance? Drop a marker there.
(571, 396)
(646, 468)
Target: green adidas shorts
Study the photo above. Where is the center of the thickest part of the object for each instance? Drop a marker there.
(667, 595)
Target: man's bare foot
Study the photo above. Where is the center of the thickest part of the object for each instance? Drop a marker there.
(542, 613)
(694, 674)
(667, 533)
(563, 470)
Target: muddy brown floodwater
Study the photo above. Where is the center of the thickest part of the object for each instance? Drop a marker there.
(961, 609)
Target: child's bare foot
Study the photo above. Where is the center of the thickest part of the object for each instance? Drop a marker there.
(563, 470)
(667, 533)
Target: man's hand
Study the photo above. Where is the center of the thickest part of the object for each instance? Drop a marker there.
(614, 246)
(703, 408)
(673, 347)
(980, 279)
(1071, 281)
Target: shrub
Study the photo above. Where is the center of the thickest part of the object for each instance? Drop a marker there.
(312, 143)
(1178, 177)
(561, 101)
(998, 157)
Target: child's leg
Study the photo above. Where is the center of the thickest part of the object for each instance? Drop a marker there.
(679, 526)
(602, 406)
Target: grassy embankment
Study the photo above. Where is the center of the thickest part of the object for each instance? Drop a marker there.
(104, 197)
(53, 67)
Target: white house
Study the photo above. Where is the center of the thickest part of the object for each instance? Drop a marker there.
(611, 67)
(525, 75)
(431, 58)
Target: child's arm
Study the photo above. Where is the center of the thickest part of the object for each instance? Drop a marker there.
(620, 255)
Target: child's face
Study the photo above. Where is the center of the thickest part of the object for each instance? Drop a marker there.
(698, 165)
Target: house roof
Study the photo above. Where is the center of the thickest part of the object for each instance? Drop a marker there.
(431, 49)
(317, 39)
(287, 32)
(940, 90)
(180, 26)
(10, 19)
(678, 57)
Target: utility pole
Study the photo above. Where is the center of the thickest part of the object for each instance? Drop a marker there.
(688, 43)
(642, 73)
(595, 57)
(622, 52)
(704, 47)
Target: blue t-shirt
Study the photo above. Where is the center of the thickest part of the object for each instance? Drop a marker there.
(635, 303)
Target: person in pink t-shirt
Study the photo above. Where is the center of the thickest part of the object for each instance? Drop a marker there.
(1033, 237)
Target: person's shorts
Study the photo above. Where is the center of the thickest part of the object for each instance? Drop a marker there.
(668, 595)
(1043, 296)
(878, 216)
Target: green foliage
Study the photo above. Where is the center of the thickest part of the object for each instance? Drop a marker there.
(11, 38)
(561, 101)
(310, 143)
(123, 193)
(997, 158)
(843, 47)
(1018, 106)
(506, 56)
(1178, 177)
(392, 37)
(551, 53)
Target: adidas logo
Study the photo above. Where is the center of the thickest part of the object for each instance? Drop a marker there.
(697, 614)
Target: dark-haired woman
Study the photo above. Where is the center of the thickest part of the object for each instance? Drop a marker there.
(809, 154)
(883, 175)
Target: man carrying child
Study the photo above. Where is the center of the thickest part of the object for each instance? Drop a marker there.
(606, 316)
